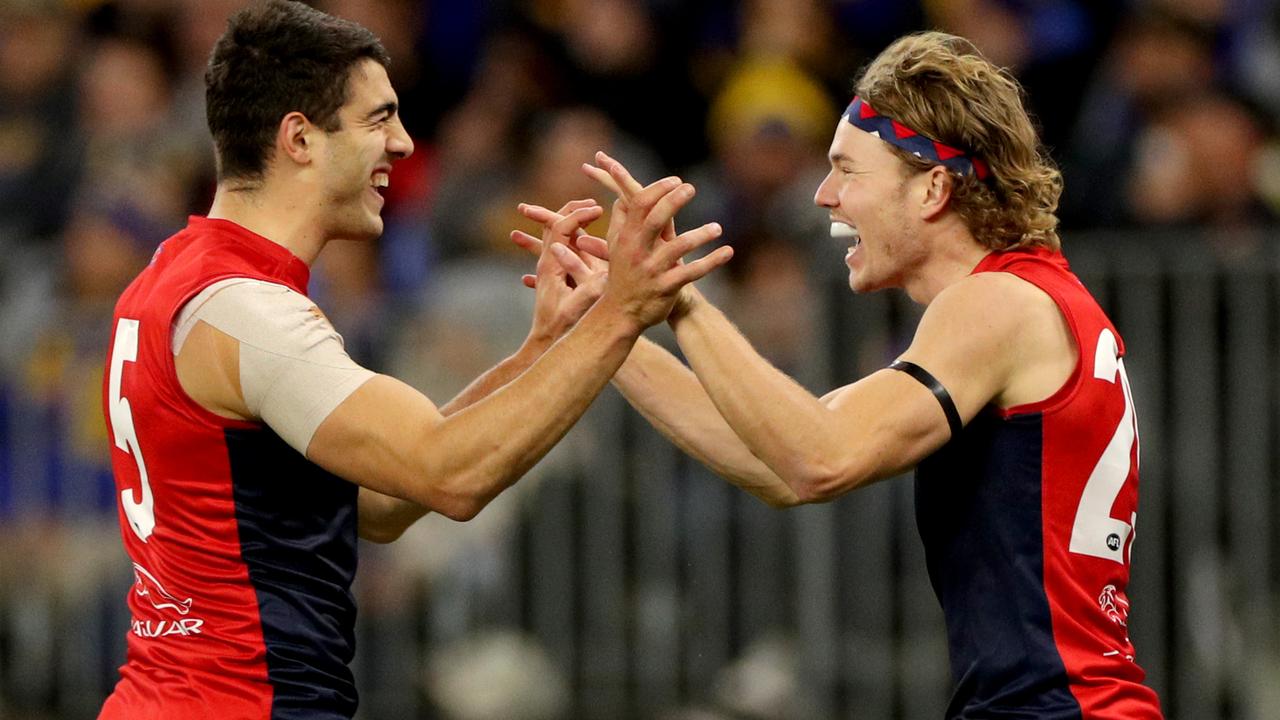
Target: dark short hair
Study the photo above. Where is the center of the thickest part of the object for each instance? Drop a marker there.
(278, 57)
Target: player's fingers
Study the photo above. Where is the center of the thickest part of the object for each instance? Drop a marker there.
(628, 186)
(538, 214)
(630, 189)
(549, 265)
(621, 209)
(569, 225)
(573, 241)
(565, 223)
(593, 246)
(618, 217)
(664, 209)
(670, 253)
(649, 195)
(576, 205)
(603, 177)
(684, 274)
(526, 241)
(529, 281)
(572, 264)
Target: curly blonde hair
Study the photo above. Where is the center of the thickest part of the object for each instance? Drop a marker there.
(942, 87)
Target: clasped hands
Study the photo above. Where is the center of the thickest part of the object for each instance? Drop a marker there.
(637, 267)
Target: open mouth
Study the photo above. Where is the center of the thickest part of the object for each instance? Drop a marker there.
(380, 182)
(846, 231)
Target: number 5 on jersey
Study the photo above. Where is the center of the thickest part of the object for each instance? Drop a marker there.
(1095, 532)
(141, 514)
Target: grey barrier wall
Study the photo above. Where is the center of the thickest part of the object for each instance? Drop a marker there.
(623, 581)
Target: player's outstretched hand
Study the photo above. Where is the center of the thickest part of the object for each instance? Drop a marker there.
(560, 299)
(625, 189)
(579, 241)
(646, 274)
(616, 178)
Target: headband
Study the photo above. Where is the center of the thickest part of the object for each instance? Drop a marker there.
(861, 115)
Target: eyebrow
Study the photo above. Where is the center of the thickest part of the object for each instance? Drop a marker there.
(839, 158)
(390, 108)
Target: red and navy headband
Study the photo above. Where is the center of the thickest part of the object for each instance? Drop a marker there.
(861, 115)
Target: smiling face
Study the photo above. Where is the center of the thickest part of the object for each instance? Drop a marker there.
(354, 161)
(866, 193)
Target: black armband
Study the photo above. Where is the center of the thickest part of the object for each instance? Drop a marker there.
(935, 387)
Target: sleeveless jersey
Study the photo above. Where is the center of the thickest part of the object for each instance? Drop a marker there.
(243, 551)
(1027, 519)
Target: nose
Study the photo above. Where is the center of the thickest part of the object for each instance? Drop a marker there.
(826, 195)
(399, 144)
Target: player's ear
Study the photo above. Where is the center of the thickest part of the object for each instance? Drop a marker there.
(293, 138)
(935, 192)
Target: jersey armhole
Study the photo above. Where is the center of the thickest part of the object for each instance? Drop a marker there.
(1071, 385)
(178, 394)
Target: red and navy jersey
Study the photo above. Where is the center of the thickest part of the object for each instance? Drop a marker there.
(243, 551)
(1027, 518)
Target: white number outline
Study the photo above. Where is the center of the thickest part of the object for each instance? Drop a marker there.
(141, 514)
(1093, 524)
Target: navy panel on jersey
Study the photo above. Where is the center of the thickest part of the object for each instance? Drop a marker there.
(297, 528)
(979, 514)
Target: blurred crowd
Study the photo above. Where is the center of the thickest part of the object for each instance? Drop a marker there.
(1161, 113)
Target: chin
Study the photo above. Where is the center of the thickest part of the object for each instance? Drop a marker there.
(862, 284)
(367, 231)
(856, 284)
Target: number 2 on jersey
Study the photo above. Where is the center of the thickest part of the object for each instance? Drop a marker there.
(1095, 532)
(141, 514)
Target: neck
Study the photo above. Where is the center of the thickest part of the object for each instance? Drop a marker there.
(275, 215)
(954, 255)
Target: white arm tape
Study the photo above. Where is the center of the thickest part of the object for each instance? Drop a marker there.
(294, 369)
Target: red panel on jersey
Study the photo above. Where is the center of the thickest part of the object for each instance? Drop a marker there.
(196, 646)
(1089, 498)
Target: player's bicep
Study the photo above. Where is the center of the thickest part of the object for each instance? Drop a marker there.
(969, 341)
(374, 436)
(960, 359)
(892, 423)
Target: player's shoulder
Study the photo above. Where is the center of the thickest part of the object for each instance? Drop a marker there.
(261, 300)
(264, 311)
(995, 300)
(1002, 334)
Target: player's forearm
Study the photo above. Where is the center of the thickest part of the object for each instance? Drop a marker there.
(384, 518)
(669, 396)
(497, 376)
(778, 420)
(474, 454)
